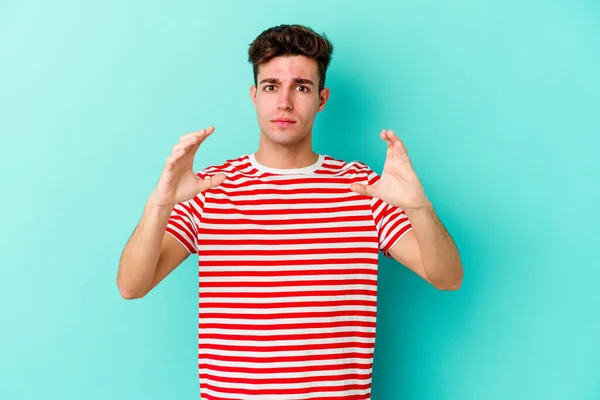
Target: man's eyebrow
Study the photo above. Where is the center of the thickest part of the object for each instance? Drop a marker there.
(295, 80)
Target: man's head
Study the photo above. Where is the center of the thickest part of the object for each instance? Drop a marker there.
(290, 63)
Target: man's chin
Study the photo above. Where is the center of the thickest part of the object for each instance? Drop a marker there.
(284, 137)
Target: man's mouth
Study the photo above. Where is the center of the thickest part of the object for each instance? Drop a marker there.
(283, 122)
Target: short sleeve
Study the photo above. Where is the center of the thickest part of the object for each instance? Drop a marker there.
(390, 221)
(184, 219)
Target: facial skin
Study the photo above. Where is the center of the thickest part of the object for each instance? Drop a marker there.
(287, 87)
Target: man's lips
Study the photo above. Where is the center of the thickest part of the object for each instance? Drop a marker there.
(283, 122)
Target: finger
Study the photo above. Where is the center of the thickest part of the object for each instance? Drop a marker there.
(385, 137)
(187, 143)
(178, 152)
(401, 148)
(361, 189)
(192, 139)
(395, 139)
(172, 161)
(182, 148)
(204, 134)
(189, 136)
(211, 182)
(201, 133)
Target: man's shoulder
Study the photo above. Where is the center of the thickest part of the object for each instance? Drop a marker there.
(343, 166)
(227, 167)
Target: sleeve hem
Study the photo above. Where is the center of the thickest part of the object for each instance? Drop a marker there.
(178, 238)
(386, 251)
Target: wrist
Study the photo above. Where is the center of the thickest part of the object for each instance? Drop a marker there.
(426, 206)
(154, 204)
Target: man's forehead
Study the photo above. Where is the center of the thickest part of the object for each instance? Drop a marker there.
(289, 68)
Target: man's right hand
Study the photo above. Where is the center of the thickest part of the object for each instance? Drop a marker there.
(178, 182)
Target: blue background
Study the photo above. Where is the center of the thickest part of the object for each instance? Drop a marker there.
(498, 103)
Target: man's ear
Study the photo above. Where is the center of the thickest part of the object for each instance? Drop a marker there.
(323, 98)
(253, 95)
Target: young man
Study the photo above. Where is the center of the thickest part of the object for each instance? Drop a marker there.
(287, 240)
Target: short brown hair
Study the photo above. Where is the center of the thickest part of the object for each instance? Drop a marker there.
(286, 40)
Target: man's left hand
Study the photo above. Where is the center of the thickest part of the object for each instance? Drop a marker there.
(398, 185)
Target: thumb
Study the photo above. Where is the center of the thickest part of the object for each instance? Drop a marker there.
(211, 182)
(363, 190)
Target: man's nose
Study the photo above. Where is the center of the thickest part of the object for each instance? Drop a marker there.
(284, 102)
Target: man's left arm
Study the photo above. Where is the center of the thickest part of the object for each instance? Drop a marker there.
(428, 250)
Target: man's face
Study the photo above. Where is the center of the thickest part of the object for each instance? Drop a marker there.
(287, 98)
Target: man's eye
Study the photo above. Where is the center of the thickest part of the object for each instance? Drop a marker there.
(304, 88)
(269, 86)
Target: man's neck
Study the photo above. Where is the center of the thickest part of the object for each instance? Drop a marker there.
(280, 157)
(286, 159)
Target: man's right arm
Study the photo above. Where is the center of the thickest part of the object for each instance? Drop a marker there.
(149, 255)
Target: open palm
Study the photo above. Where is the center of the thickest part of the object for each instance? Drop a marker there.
(398, 185)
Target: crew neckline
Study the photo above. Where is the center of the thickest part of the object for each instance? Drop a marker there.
(286, 171)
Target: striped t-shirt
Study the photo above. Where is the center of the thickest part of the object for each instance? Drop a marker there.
(287, 263)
